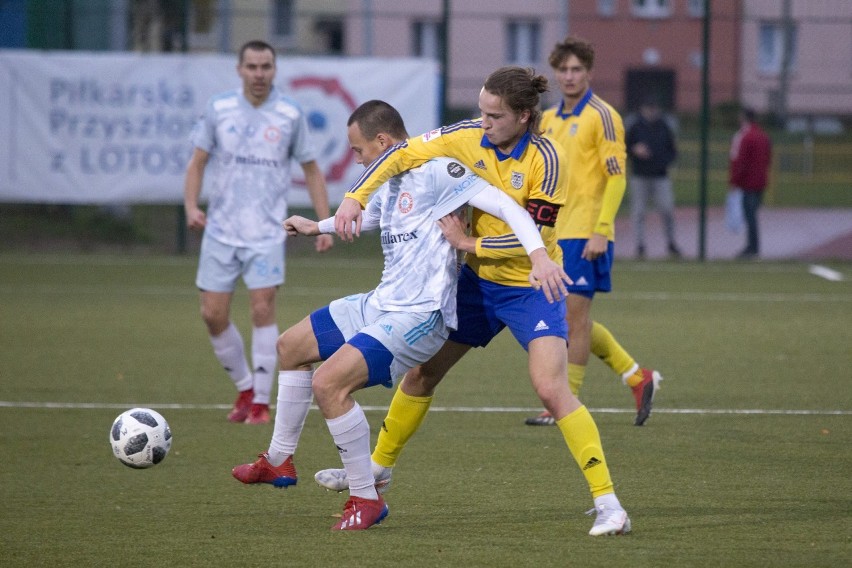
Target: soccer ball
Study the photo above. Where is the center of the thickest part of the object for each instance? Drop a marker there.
(140, 438)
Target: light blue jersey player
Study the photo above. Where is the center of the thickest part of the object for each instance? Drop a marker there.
(244, 145)
(247, 178)
(374, 338)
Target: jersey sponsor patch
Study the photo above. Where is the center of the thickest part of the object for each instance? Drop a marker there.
(432, 134)
(455, 169)
(543, 212)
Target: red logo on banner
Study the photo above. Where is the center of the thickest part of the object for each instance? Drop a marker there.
(336, 154)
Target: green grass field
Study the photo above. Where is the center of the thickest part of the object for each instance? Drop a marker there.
(745, 462)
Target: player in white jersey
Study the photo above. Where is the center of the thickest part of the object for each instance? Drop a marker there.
(374, 338)
(244, 145)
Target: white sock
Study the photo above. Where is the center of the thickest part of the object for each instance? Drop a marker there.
(264, 358)
(229, 350)
(610, 501)
(351, 434)
(294, 402)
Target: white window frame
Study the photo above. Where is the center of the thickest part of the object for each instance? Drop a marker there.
(523, 45)
(770, 47)
(651, 9)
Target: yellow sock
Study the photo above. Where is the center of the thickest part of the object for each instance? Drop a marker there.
(583, 439)
(607, 349)
(404, 417)
(576, 374)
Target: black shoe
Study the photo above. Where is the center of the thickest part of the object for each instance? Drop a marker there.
(747, 254)
(640, 252)
(543, 419)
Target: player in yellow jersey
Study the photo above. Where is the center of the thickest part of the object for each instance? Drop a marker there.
(503, 147)
(592, 133)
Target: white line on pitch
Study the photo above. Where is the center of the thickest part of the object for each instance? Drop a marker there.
(484, 409)
(826, 273)
(778, 297)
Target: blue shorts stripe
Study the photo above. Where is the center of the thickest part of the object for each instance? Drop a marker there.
(423, 329)
(329, 337)
(378, 359)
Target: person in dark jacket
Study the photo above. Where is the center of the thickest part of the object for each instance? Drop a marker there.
(651, 150)
(751, 154)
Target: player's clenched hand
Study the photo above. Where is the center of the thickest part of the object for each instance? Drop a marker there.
(297, 225)
(348, 213)
(454, 228)
(548, 276)
(595, 246)
(196, 219)
(323, 243)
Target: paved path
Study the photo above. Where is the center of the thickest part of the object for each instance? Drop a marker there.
(802, 234)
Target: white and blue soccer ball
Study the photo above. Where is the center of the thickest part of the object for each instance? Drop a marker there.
(140, 438)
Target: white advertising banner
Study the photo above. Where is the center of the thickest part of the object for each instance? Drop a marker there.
(114, 127)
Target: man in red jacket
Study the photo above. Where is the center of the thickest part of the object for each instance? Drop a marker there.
(751, 153)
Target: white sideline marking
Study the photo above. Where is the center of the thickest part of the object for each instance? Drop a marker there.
(483, 409)
(303, 291)
(825, 272)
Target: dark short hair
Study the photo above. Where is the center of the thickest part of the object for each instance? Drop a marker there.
(573, 45)
(256, 45)
(749, 114)
(375, 117)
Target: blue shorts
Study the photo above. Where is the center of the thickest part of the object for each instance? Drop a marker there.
(485, 308)
(221, 265)
(588, 276)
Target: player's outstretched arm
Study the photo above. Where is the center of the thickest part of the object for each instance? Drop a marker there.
(297, 225)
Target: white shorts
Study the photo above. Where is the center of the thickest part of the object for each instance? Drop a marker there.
(221, 265)
(410, 338)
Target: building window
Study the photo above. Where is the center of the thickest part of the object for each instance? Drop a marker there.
(771, 44)
(651, 8)
(283, 20)
(204, 23)
(695, 8)
(606, 7)
(427, 39)
(523, 48)
(330, 34)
